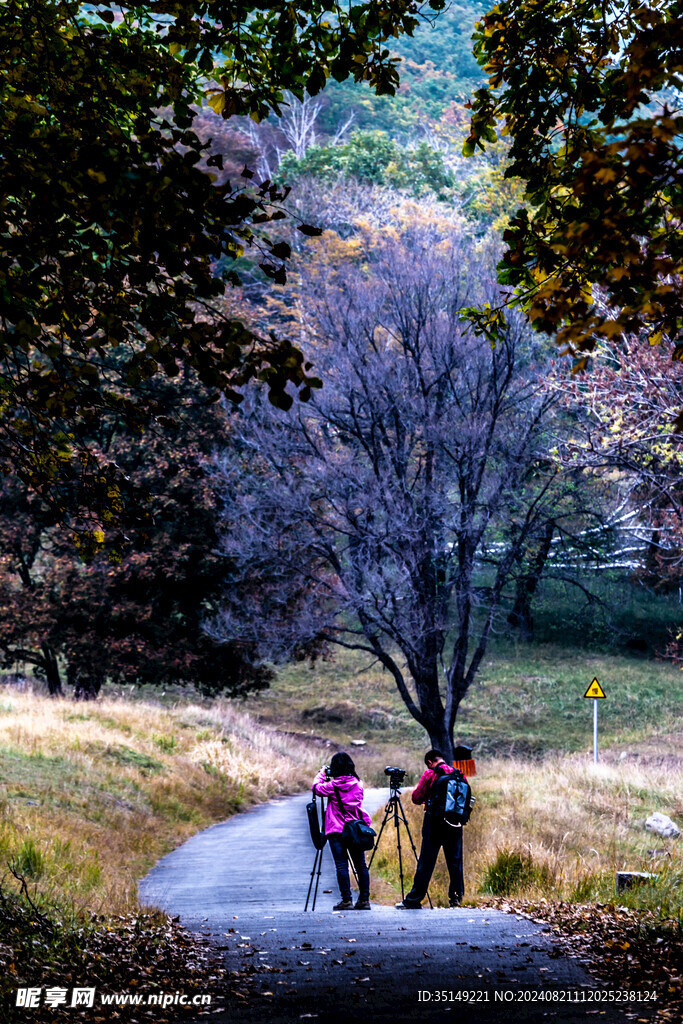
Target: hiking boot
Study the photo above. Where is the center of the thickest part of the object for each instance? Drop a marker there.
(408, 906)
(343, 905)
(362, 905)
(455, 902)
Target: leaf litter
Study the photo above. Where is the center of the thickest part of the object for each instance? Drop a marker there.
(626, 947)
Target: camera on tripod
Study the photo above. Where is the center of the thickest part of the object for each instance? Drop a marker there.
(396, 776)
(394, 812)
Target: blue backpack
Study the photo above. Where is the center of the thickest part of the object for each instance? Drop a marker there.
(451, 799)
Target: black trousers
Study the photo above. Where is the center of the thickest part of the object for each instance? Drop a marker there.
(436, 836)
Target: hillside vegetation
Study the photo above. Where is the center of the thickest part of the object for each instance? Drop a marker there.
(92, 794)
(437, 70)
(528, 700)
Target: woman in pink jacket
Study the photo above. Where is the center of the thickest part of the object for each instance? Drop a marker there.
(344, 792)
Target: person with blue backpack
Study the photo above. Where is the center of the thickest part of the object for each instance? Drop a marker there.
(447, 799)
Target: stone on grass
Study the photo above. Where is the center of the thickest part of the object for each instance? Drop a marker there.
(627, 879)
(662, 825)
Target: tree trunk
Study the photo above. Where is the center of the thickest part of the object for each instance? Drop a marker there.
(87, 689)
(653, 569)
(52, 674)
(440, 740)
(426, 677)
(520, 617)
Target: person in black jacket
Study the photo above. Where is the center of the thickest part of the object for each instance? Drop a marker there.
(435, 835)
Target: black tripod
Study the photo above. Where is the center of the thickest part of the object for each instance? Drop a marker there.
(394, 810)
(319, 840)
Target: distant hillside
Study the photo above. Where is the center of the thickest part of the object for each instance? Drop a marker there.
(437, 70)
(438, 73)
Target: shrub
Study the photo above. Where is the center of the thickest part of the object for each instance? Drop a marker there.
(166, 743)
(587, 885)
(512, 871)
(29, 860)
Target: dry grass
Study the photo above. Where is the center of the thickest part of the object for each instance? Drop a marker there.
(93, 794)
(572, 823)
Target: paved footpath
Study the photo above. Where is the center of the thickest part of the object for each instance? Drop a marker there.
(251, 874)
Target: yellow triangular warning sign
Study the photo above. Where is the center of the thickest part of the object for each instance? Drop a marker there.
(595, 690)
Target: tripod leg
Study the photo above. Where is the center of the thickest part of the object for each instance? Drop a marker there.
(405, 822)
(386, 816)
(318, 853)
(317, 881)
(394, 810)
(390, 812)
(352, 866)
(400, 852)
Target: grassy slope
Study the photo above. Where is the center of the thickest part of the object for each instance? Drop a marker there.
(527, 700)
(93, 794)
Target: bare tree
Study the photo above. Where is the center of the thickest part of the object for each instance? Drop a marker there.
(624, 409)
(297, 123)
(267, 142)
(405, 491)
(343, 129)
(294, 129)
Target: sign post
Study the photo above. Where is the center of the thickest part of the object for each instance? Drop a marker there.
(595, 693)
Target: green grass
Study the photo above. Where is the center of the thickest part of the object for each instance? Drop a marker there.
(135, 758)
(513, 871)
(112, 723)
(167, 744)
(29, 860)
(527, 699)
(28, 775)
(537, 693)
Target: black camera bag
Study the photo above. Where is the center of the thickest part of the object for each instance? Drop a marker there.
(356, 833)
(317, 835)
